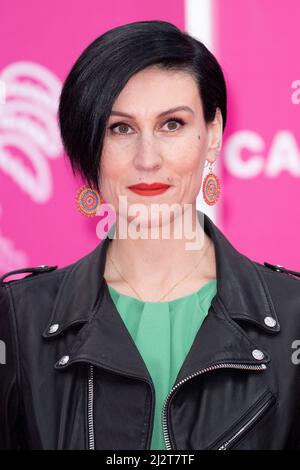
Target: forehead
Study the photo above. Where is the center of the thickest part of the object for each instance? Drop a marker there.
(152, 90)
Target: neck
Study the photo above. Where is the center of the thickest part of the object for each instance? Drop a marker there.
(152, 265)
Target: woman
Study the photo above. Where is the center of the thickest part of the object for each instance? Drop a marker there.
(150, 342)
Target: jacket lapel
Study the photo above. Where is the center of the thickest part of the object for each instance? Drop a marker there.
(104, 340)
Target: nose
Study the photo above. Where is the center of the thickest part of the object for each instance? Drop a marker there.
(147, 155)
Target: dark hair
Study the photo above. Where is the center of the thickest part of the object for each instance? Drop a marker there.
(102, 70)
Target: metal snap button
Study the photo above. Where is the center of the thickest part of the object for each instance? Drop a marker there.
(270, 321)
(278, 266)
(258, 354)
(63, 360)
(53, 328)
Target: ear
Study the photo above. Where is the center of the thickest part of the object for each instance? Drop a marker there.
(215, 131)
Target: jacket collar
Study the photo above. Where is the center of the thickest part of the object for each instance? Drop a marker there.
(242, 294)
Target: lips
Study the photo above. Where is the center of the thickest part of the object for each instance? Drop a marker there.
(149, 186)
(144, 189)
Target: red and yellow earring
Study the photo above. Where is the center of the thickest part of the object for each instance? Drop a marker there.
(211, 187)
(88, 201)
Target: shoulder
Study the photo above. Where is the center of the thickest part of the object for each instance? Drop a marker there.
(38, 287)
(29, 271)
(277, 273)
(280, 269)
(283, 287)
(35, 276)
(26, 304)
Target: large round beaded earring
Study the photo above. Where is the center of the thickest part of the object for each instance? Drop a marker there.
(88, 201)
(211, 187)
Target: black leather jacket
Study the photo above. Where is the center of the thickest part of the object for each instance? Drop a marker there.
(74, 379)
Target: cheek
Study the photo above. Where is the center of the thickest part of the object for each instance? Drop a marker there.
(189, 158)
(112, 166)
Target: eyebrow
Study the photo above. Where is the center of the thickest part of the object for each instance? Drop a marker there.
(171, 110)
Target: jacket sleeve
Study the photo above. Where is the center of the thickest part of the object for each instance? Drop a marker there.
(9, 375)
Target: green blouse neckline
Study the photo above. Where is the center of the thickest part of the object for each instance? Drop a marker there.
(134, 299)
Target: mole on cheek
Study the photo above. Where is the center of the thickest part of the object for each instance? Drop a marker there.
(198, 136)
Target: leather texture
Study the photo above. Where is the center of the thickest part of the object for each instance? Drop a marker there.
(238, 387)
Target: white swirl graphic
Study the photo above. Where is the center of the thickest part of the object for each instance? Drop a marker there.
(29, 133)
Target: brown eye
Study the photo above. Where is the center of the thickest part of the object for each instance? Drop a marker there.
(122, 127)
(173, 124)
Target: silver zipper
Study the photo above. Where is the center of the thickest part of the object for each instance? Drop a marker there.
(91, 433)
(213, 367)
(91, 436)
(226, 444)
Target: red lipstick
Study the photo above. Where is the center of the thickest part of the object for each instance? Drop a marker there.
(152, 189)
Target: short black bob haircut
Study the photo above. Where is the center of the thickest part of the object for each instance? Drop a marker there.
(102, 70)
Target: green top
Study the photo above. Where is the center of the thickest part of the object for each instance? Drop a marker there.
(163, 337)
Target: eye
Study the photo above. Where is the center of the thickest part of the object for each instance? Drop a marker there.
(177, 120)
(123, 126)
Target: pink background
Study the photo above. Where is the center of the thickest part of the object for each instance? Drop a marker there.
(257, 46)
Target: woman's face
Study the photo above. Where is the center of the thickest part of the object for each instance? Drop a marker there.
(147, 146)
